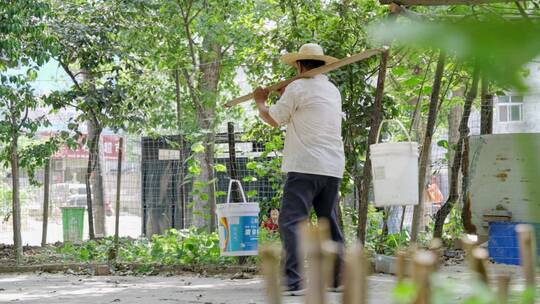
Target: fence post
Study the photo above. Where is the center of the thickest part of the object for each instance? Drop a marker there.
(233, 172)
(118, 188)
(46, 189)
(232, 161)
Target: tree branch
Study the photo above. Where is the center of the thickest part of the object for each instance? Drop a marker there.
(522, 11)
(70, 74)
(418, 213)
(196, 14)
(23, 119)
(440, 2)
(418, 99)
(187, 22)
(450, 80)
(226, 49)
(192, 93)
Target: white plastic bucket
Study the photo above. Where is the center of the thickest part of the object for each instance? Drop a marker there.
(394, 167)
(238, 225)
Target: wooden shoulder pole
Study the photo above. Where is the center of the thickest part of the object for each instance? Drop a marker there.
(321, 70)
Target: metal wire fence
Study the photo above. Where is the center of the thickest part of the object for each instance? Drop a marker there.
(156, 189)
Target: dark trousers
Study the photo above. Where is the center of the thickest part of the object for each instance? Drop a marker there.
(301, 193)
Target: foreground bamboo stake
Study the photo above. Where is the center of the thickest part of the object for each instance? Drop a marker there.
(468, 245)
(316, 245)
(424, 263)
(436, 246)
(355, 276)
(527, 253)
(312, 247)
(503, 282)
(329, 252)
(270, 256)
(478, 261)
(401, 265)
(324, 69)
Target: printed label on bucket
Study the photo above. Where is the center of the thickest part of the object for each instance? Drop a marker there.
(238, 233)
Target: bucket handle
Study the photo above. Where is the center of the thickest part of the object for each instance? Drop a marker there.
(395, 121)
(230, 189)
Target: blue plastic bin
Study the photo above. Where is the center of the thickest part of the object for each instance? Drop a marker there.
(503, 244)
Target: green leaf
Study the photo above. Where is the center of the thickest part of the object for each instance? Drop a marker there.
(399, 70)
(443, 143)
(220, 168)
(412, 82)
(197, 147)
(501, 57)
(404, 292)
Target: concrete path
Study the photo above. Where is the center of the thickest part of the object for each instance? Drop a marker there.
(73, 289)
(59, 288)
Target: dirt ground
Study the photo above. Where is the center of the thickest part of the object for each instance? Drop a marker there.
(189, 288)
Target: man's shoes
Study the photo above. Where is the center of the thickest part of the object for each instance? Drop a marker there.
(338, 289)
(294, 290)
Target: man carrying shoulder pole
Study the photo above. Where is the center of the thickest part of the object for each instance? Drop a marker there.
(313, 156)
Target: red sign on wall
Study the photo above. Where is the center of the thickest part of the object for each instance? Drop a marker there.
(108, 148)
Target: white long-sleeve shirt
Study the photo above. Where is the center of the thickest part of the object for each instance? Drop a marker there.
(311, 109)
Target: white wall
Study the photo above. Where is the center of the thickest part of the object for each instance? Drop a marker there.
(531, 106)
(504, 174)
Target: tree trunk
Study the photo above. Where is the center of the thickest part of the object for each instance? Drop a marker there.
(376, 116)
(486, 111)
(454, 119)
(46, 182)
(94, 133)
(425, 153)
(453, 195)
(15, 199)
(89, 204)
(208, 85)
(466, 216)
(99, 193)
(205, 201)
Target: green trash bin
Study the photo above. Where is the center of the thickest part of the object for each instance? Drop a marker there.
(73, 223)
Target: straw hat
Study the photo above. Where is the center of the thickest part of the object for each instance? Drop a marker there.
(308, 51)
